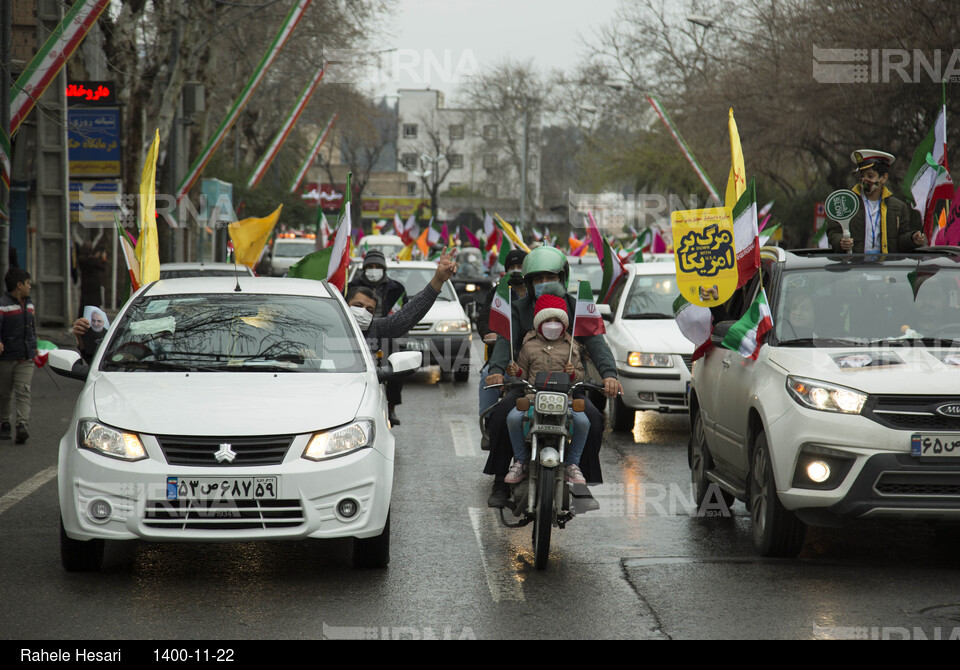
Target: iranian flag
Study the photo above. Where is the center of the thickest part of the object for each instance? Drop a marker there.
(500, 310)
(695, 324)
(330, 264)
(586, 318)
(928, 177)
(746, 335)
(612, 271)
(746, 234)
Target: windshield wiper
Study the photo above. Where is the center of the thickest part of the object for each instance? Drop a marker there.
(151, 365)
(825, 342)
(651, 315)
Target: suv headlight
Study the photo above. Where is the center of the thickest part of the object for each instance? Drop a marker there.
(637, 359)
(109, 441)
(825, 397)
(458, 326)
(339, 441)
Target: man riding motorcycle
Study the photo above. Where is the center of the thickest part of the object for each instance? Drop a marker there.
(545, 270)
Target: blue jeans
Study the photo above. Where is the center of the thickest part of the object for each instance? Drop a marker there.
(574, 448)
(488, 397)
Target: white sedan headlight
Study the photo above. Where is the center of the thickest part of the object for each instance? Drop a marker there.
(338, 441)
(636, 359)
(825, 397)
(110, 441)
(458, 326)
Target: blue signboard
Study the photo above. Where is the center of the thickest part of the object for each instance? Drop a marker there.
(93, 138)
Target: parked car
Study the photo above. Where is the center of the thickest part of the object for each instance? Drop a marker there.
(444, 335)
(851, 409)
(286, 251)
(653, 358)
(215, 415)
(181, 270)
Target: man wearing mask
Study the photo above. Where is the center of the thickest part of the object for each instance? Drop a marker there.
(513, 264)
(389, 292)
(363, 303)
(545, 271)
(883, 224)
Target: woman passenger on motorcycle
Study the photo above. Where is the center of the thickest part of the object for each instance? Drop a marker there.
(548, 348)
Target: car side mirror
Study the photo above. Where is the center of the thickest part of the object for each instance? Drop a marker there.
(720, 331)
(67, 363)
(399, 365)
(605, 312)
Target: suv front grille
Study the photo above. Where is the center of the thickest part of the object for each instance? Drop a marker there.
(688, 361)
(220, 515)
(201, 451)
(911, 412)
(918, 484)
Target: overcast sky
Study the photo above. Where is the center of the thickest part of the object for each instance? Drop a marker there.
(440, 41)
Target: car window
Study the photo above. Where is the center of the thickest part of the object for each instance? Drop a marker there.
(220, 272)
(234, 332)
(651, 296)
(292, 249)
(415, 279)
(864, 304)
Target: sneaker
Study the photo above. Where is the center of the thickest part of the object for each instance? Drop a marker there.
(517, 473)
(572, 475)
(22, 433)
(5, 430)
(499, 495)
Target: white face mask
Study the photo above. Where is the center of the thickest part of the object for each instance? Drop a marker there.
(362, 316)
(552, 329)
(374, 275)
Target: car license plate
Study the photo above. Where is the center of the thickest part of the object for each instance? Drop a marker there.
(222, 488)
(927, 445)
(416, 345)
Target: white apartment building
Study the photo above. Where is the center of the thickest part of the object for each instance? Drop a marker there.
(480, 148)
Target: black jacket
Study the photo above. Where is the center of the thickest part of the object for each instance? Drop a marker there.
(18, 329)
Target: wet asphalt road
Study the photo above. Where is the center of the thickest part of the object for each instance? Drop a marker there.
(642, 567)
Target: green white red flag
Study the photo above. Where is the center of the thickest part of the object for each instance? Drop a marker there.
(330, 264)
(746, 234)
(695, 324)
(312, 155)
(586, 318)
(928, 178)
(612, 271)
(500, 315)
(747, 334)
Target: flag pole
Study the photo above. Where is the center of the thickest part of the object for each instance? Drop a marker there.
(573, 323)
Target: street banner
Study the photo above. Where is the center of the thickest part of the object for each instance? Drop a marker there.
(293, 17)
(705, 255)
(675, 133)
(93, 142)
(285, 129)
(312, 155)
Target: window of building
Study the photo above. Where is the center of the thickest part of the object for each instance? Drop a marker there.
(408, 161)
(490, 161)
(411, 188)
(456, 161)
(490, 132)
(456, 131)
(410, 131)
(490, 190)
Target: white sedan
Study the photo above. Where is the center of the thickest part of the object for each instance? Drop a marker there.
(653, 357)
(211, 414)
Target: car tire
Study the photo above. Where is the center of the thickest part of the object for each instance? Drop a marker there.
(80, 555)
(776, 530)
(700, 463)
(373, 552)
(622, 418)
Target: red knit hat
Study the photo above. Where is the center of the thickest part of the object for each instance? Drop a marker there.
(549, 307)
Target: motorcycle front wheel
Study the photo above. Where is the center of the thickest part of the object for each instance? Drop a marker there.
(543, 516)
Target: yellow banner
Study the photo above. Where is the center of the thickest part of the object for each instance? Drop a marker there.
(705, 255)
(387, 208)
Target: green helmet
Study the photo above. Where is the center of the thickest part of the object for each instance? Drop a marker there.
(546, 259)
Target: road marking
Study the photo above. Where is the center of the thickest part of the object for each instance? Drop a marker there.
(464, 443)
(504, 582)
(26, 488)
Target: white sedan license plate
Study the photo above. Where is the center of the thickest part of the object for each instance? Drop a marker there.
(416, 345)
(927, 445)
(222, 488)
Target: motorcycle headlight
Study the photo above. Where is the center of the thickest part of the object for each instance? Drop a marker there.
(458, 326)
(825, 397)
(339, 441)
(109, 441)
(637, 359)
(551, 403)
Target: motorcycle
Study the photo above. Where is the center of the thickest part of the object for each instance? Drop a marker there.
(544, 499)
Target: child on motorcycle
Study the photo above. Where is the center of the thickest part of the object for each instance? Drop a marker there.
(547, 348)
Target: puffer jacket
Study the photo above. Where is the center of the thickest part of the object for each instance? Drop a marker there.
(18, 330)
(538, 354)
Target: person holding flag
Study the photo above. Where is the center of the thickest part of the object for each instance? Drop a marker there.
(545, 270)
(884, 224)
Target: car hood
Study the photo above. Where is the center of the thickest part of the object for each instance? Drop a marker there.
(906, 370)
(660, 336)
(443, 310)
(229, 403)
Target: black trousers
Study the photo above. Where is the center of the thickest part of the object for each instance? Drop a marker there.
(501, 450)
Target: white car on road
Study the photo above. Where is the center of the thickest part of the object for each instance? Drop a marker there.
(211, 414)
(653, 357)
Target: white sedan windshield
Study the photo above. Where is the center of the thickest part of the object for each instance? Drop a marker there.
(234, 332)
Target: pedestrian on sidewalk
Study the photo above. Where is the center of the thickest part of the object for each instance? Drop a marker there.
(18, 346)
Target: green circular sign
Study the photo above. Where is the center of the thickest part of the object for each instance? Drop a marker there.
(842, 205)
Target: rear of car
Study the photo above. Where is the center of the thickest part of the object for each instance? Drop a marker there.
(214, 415)
(199, 269)
(286, 251)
